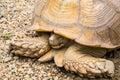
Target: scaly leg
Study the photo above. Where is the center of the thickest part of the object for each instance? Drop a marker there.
(78, 58)
(56, 54)
(30, 47)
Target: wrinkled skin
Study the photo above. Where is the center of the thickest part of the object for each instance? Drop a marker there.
(74, 57)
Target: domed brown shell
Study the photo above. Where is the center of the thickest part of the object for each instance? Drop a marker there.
(88, 22)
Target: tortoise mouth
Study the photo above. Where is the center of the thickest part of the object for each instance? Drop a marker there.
(57, 46)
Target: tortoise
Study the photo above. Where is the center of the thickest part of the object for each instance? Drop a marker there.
(77, 34)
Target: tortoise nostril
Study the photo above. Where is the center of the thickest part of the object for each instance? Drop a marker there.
(51, 40)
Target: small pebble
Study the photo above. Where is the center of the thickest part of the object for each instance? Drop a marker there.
(7, 59)
(27, 77)
(56, 78)
(45, 78)
(20, 70)
(15, 57)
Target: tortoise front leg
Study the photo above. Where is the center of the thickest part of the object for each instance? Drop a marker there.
(77, 58)
(56, 54)
(30, 47)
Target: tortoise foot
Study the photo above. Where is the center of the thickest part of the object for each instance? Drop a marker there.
(86, 65)
(30, 47)
(100, 68)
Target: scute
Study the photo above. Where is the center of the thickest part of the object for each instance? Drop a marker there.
(115, 4)
(40, 4)
(61, 12)
(88, 22)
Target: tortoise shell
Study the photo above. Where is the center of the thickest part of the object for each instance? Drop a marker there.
(87, 22)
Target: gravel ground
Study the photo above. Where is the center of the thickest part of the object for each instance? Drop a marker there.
(15, 17)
